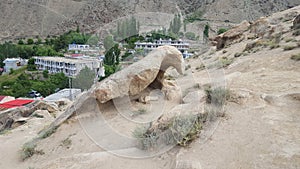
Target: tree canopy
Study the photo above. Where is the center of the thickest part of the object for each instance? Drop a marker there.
(85, 79)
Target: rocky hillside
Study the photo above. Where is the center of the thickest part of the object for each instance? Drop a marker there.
(31, 18)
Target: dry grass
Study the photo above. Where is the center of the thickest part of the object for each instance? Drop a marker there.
(66, 143)
(29, 149)
(200, 67)
(46, 133)
(289, 47)
(217, 96)
(180, 130)
(225, 62)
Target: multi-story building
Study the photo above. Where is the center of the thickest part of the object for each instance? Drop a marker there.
(68, 66)
(179, 44)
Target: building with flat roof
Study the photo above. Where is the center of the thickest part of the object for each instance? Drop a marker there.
(79, 47)
(69, 66)
(179, 44)
(13, 63)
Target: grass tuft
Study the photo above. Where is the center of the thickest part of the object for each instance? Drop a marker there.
(29, 149)
(46, 133)
(217, 96)
(296, 57)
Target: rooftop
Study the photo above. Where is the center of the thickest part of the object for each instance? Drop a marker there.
(65, 93)
(68, 60)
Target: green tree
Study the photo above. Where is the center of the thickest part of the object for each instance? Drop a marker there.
(206, 31)
(108, 42)
(109, 70)
(31, 66)
(30, 41)
(59, 80)
(112, 55)
(39, 41)
(77, 29)
(175, 24)
(85, 79)
(190, 35)
(20, 42)
(222, 30)
(93, 40)
(46, 74)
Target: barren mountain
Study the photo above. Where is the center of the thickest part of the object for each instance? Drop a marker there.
(30, 18)
(259, 126)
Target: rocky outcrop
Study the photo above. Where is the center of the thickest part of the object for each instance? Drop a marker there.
(234, 35)
(296, 23)
(139, 76)
(259, 27)
(9, 116)
(130, 81)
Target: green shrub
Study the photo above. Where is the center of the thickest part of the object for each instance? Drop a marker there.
(46, 74)
(185, 129)
(217, 96)
(190, 36)
(222, 30)
(226, 61)
(201, 67)
(46, 133)
(289, 40)
(289, 47)
(238, 54)
(146, 139)
(30, 41)
(274, 45)
(296, 57)
(20, 42)
(29, 149)
(11, 71)
(179, 130)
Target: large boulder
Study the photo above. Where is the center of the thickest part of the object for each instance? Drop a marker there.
(130, 81)
(259, 27)
(233, 35)
(138, 76)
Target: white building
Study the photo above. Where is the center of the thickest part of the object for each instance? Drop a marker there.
(13, 63)
(68, 66)
(179, 44)
(79, 47)
(70, 94)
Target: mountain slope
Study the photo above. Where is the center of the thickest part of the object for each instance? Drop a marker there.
(50, 17)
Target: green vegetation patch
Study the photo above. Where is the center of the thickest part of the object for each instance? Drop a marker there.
(217, 96)
(180, 130)
(29, 149)
(296, 57)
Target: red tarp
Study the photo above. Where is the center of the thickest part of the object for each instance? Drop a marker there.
(15, 103)
(2, 97)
